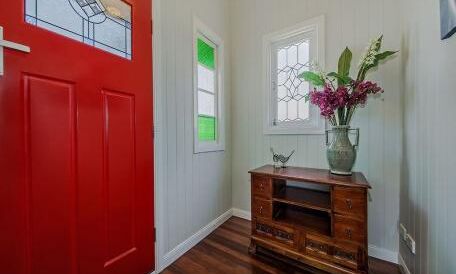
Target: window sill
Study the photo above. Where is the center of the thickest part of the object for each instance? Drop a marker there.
(207, 148)
(277, 130)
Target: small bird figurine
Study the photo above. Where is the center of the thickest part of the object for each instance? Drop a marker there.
(281, 158)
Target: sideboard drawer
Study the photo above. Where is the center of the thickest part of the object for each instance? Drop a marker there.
(346, 256)
(317, 248)
(349, 229)
(262, 187)
(350, 201)
(262, 208)
(284, 235)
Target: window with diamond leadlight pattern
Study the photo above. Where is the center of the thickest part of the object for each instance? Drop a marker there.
(87, 21)
(292, 60)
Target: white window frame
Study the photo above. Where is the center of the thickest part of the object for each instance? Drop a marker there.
(314, 30)
(201, 30)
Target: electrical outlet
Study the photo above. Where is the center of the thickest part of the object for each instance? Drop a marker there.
(411, 243)
(403, 232)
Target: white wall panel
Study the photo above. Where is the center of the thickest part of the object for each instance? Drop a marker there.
(428, 190)
(192, 189)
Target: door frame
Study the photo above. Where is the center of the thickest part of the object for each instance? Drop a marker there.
(158, 135)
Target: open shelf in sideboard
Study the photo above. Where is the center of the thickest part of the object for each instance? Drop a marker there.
(308, 219)
(303, 197)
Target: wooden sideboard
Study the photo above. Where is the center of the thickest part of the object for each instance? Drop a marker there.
(311, 217)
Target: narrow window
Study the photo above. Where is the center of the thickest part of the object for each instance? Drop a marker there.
(207, 91)
(208, 99)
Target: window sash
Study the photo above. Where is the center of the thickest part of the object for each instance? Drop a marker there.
(275, 47)
(313, 31)
(202, 138)
(203, 144)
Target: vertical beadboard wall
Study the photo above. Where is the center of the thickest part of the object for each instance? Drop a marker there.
(192, 190)
(349, 23)
(428, 203)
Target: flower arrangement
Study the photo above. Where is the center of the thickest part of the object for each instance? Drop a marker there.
(336, 93)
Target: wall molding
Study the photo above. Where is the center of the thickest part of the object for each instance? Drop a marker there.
(186, 245)
(403, 265)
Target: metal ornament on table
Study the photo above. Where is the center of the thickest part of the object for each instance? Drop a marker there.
(276, 158)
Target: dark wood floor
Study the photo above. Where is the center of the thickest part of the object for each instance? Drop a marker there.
(225, 251)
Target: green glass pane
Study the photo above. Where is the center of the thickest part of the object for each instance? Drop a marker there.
(206, 54)
(207, 128)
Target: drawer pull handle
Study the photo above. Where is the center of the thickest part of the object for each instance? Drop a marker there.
(349, 204)
(261, 209)
(348, 232)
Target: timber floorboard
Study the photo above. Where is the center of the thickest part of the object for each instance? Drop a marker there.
(226, 251)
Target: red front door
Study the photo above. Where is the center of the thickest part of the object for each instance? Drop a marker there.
(76, 148)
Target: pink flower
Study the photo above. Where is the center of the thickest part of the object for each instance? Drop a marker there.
(361, 91)
(329, 100)
(342, 97)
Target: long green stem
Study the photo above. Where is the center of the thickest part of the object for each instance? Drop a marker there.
(350, 113)
(340, 114)
(332, 121)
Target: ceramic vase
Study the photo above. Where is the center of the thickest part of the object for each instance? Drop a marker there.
(340, 152)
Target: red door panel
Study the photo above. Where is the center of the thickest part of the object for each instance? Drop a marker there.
(76, 152)
(119, 172)
(50, 196)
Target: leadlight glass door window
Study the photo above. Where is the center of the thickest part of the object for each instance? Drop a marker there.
(104, 24)
(289, 53)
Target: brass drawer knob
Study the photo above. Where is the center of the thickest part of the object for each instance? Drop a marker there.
(349, 204)
(348, 232)
(261, 209)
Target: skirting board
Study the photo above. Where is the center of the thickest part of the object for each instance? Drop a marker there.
(242, 214)
(185, 246)
(383, 254)
(403, 265)
(374, 251)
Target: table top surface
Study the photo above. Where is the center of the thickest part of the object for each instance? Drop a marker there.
(312, 175)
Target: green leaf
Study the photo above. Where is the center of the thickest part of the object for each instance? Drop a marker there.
(384, 55)
(379, 57)
(307, 97)
(313, 78)
(341, 79)
(345, 62)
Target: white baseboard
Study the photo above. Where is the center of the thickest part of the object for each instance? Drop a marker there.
(242, 214)
(185, 246)
(383, 254)
(403, 265)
